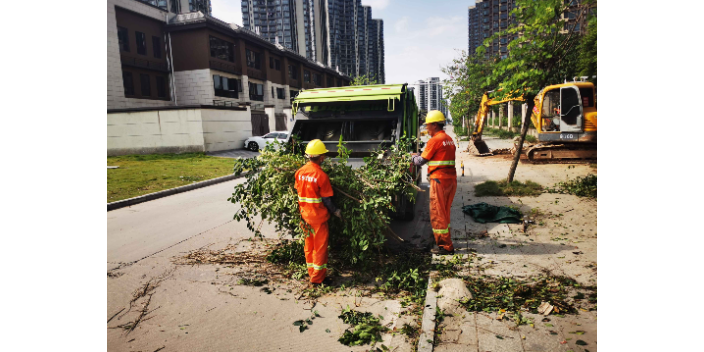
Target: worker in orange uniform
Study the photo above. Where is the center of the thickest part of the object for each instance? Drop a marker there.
(315, 203)
(439, 154)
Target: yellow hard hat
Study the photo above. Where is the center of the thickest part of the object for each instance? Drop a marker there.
(316, 147)
(435, 116)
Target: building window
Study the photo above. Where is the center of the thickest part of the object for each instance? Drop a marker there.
(256, 91)
(225, 87)
(306, 76)
(272, 92)
(222, 49)
(157, 47)
(160, 87)
(275, 64)
(145, 84)
(141, 43)
(317, 79)
(128, 83)
(292, 72)
(123, 37)
(254, 60)
(292, 94)
(331, 81)
(199, 5)
(280, 93)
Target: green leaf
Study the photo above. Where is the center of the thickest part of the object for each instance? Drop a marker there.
(580, 342)
(298, 323)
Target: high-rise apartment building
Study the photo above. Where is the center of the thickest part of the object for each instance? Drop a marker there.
(487, 17)
(337, 33)
(278, 22)
(429, 95)
(376, 51)
(576, 17)
(182, 6)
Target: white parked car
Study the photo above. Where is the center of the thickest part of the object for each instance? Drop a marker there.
(259, 142)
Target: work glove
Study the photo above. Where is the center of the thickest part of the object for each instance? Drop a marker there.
(338, 213)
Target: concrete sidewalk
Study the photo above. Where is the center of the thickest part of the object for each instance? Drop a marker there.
(562, 240)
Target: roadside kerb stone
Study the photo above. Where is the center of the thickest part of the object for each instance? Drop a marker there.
(168, 192)
(427, 328)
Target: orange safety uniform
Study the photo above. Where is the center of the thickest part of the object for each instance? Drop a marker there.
(312, 184)
(440, 153)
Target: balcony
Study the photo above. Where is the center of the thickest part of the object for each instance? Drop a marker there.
(224, 67)
(144, 64)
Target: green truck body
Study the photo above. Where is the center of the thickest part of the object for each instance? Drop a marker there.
(366, 117)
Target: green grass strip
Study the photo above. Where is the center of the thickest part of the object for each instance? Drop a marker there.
(143, 174)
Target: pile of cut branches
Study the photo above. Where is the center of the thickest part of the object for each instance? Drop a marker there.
(364, 195)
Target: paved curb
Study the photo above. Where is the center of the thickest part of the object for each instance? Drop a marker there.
(167, 192)
(427, 330)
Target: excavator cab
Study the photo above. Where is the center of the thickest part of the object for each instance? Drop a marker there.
(566, 112)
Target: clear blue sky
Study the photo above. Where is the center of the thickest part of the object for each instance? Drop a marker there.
(420, 36)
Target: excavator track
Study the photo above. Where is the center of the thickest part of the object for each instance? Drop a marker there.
(561, 153)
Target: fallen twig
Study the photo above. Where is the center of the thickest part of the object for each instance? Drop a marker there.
(142, 314)
(114, 315)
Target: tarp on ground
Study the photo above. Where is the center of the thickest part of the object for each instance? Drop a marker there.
(483, 213)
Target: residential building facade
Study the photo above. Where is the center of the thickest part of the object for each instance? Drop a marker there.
(376, 51)
(429, 95)
(487, 17)
(182, 6)
(341, 34)
(193, 58)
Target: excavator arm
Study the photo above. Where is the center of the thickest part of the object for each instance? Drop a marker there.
(478, 147)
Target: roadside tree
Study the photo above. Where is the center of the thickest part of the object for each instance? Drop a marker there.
(541, 53)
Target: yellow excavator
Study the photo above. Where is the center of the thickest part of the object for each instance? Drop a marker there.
(565, 118)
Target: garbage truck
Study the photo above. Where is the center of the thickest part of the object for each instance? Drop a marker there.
(366, 117)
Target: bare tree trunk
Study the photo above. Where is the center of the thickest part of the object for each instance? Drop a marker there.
(519, 148)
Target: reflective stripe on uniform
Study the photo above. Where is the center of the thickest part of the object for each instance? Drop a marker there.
(310, 200)
(441, 230)
(441, 162)
(317, 267)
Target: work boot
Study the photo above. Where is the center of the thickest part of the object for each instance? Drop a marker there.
(327, 282)
(441, 251)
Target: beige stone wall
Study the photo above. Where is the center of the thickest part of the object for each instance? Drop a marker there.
(147, 132)
(225, 129)
(177, 131)
(194, 87)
